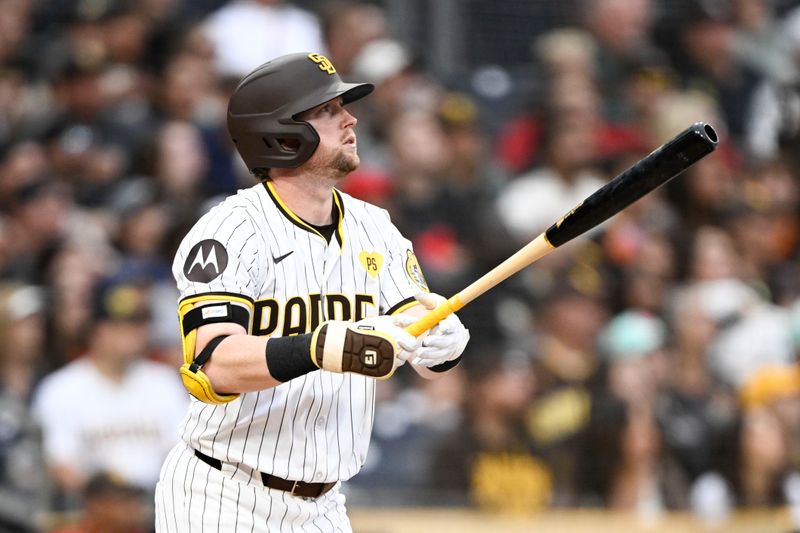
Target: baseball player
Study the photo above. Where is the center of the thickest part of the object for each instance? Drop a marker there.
(294, 296)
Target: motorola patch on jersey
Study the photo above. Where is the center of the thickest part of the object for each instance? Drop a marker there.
(206, 260)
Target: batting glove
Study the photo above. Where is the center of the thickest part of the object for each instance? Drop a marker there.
(407, 344)
(445, 341)
(373, 347)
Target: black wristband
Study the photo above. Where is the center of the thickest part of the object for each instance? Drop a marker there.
(447, 365)
(289, 357)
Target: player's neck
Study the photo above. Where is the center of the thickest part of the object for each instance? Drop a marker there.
(111, 369)
(310, 199)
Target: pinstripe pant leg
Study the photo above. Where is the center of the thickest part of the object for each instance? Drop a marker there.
(192, 497)
(169, 495)
(289, 513)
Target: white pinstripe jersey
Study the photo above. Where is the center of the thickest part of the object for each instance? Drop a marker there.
(251, 248)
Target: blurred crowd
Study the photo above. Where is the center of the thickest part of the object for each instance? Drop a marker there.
(650, 365)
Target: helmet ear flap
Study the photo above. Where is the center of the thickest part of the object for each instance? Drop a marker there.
(287, 144)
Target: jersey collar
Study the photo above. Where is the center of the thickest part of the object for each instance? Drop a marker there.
(300, 223)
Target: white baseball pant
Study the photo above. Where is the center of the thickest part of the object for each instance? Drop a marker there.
(193, 497)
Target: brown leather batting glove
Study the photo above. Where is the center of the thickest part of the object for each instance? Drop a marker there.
(373, 347)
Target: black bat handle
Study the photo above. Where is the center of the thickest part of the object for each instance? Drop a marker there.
(660, 166)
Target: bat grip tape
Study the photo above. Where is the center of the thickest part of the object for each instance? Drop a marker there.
(435, 316)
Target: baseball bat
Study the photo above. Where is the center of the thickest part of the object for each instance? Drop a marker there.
(654, 170)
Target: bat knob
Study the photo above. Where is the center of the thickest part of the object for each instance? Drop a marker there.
(707, 132)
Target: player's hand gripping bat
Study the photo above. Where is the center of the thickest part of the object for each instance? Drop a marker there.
(663, 164)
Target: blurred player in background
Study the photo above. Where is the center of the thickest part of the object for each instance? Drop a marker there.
(110, 410)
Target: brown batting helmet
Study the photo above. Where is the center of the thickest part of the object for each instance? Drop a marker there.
(263, 108)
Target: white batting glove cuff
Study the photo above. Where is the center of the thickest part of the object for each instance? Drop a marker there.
(444, 342)
(407, 344)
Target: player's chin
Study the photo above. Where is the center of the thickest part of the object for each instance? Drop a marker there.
(348, 162)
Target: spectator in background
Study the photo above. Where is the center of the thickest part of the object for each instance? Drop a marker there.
(22, 358)
(566, 370)
(73, 272)
(24, 482)
(17, 103)
(111, 409)
(771, 420)
(471, 169)
(188, 89)
(565, 177)
(773, 115)
(650, 85)
(646, 262)
(759, 42)
(14, 28)
(144, 224)
(489, 461)
(401, 85)
(181, 167)
(774, 118)
(752, 332)
(474, 178)
(193, 110)
(435, 218)
(697, 414)
(101, 116)
(764, 471)
(144, 239)
(708, 63)
(247, 33)
(749, 331)
(568, 93)
(348, 26)
(110, 503)
(621, 29)
(38, 215)
(640, 474)
(708, 188)
(24, 162)
(125, 33)
(761, 223)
